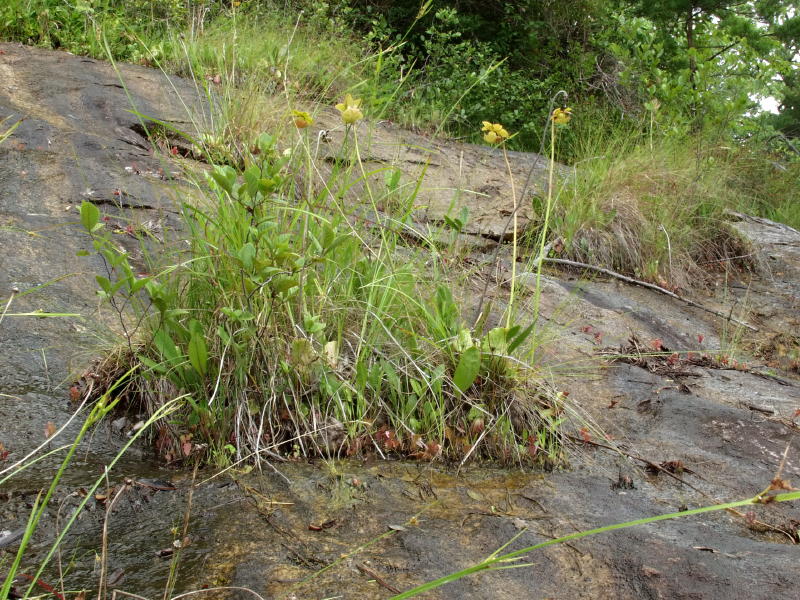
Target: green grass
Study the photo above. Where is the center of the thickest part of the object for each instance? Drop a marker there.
(275, 52)
(294, 326)
(656, 209)
(78, 26)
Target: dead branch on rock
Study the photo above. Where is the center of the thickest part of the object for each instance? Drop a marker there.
(650, 286)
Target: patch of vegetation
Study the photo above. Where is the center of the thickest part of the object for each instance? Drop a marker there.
(658, 215)
(80, 26)
(299, 324)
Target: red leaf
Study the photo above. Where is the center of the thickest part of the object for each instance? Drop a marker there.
(657, 344)
(387, 438)
(533, 446)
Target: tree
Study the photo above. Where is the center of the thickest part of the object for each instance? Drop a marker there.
(719, 53)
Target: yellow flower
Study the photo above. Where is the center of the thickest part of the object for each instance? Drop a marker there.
(494, 133)
(350, 110)
(301, 119)
(561, 116)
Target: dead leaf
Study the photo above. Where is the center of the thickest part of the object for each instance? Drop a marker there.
(49, 430)
(475, 495)
(321, 526)
(585, 436)
(780, 484)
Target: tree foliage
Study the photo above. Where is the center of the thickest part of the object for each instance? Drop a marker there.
(706, 62)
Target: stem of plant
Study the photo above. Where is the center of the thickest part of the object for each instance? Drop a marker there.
(546, 223)
(494, 561)
(514, 243)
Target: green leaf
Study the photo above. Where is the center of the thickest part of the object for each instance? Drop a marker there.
(496, 340)
(284, 284)
(104, 283)
(225, 177)
(198, 352)
(517, 341)
(251, 177)
(152, 365)
(312, 324)
(469, 365)
(90, 215)
(338, 241)
(138, 284)
(246, 254)
(167, 347)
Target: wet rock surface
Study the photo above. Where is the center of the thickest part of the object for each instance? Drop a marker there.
(364, 529)
(76, 142)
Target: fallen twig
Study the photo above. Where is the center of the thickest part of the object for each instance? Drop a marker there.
(650, 464)
(762, 410)
(651, 286)
(378, 579)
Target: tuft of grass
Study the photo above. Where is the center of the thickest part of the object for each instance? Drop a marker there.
(296, 319)
(271, 51)
(299, 322)
(654, 212)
